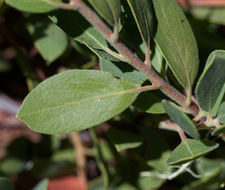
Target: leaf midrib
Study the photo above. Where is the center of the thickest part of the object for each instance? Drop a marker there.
(81, 101)
(179, 51)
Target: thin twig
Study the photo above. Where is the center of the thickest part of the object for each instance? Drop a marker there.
(168, 125)
(166, 88)
(147, 56)
(80, 156)
(132, 59)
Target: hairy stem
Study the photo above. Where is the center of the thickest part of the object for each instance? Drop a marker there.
(167, 89)
(168, 125)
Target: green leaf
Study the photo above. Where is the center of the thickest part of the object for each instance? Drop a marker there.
(219, 131)
(101, 54)
(212, 173)
(214, 15)
(218, 102)
(143, 17)
(5, 66)
(75, 100)
(124, 140)
(157, 60)
(212, 80)
(123, 70)
(65, 154)
(45, 168)
(181, 119)
(101, 159)
(160, 164)
(43, 185)
(6, 165)
(96, 184)
(221, 113)
(6, 184)
(156, 150)
(80, 32)
(108, 9)
(191, 150)
(33, 6)
(150, 182)
(48, 38)
(150, 102)
(176, 41)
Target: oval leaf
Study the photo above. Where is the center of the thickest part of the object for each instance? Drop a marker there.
(191, 150)
(75, 100)
(33, 6)
(48, 38)
(212, 81)
(108, 9)
(143, 17)
(176, 41)
(181, 119)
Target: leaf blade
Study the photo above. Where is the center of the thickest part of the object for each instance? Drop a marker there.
(181, 119)
(212, 80)
(176, 41)
(79, 32)
(108, 9)
(48, 38)
(33, 6)
(143, 17)
(75, 100)
(191, 150)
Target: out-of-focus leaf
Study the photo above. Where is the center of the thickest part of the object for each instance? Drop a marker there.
(33, 6)
(219, 130)
(75, 100)
(11, 166)
(176, 41)
(42, 185)
(143, 183)
(221, 113)
(96, 184)
(156, 151)
(212, 81)
(150, 182)
(66, 155)
(142, 13)
(150, 102)
(49, 169)
(214, 15)
(124, 140)
(82, 31)
(191, 150)
(181, 119)
(6, 184)
(4, 66)
(123, 70)
(212, 174)
(108, 9)
(101, 160)
(48, 38)
(160, 164)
